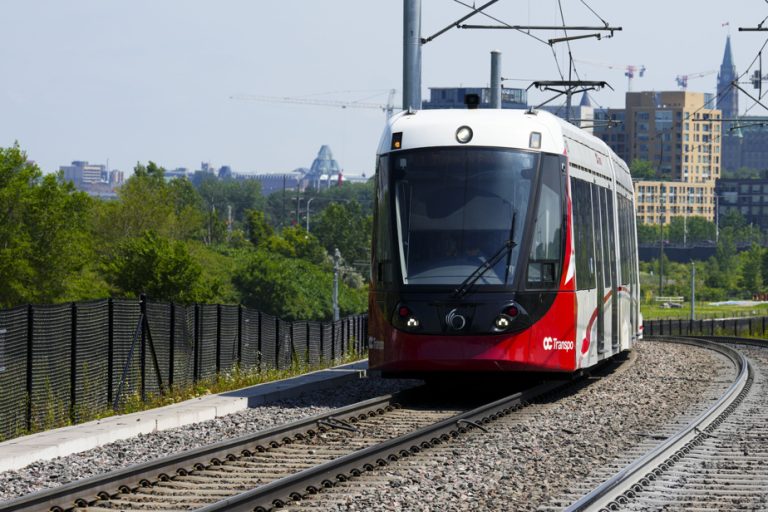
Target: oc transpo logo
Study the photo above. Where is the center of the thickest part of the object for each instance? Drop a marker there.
(455, 320)
(551, 343)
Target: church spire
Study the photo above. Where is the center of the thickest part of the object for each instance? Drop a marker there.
(727, 95)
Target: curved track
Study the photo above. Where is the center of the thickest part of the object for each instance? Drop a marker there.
(719, 461)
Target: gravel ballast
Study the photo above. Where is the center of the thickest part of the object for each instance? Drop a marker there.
(524, 462)
(538, 459)
(120, 454)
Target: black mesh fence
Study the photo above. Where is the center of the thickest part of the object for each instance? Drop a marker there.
(206, 340)
(284, 353)
(14, 340)
(183, 346)
(50, 390)
(299, 340)
(337, 338)
(229, 335)
(737, 327)
(66, 363)
(326, 331)
(91, 359)
(314, 333)
(126, 341)
(268, 342)
(250, 328)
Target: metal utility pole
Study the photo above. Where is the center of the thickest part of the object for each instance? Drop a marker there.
(336, 262)
(661, 258)
(693, 291)
(495, 79)
(412, 54)
(309, 202)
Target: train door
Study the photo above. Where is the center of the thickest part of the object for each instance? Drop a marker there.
(611, 245)
(599, 266)
(608, 271)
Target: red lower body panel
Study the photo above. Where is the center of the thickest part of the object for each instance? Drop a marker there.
(548, 345)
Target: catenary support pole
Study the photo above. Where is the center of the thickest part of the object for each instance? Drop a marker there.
(411, 54)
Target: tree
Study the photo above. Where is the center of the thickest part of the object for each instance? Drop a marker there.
(147, 202)
(343, 226)
(43, 240)
(647, 233)
(258, 228)
(160, 267)
(295, 242)
(751, 271)
(642, 170)
(219, 195)
(698, 229)
(293, 289)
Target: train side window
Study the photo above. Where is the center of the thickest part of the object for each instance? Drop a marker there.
(607, 237)
(383, 225)
(583, 240)
(597, 206)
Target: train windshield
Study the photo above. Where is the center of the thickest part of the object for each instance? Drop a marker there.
(456, 207)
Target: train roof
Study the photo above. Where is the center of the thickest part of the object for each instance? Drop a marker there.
(508, 128)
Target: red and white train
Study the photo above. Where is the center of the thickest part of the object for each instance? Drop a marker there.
(504, 241)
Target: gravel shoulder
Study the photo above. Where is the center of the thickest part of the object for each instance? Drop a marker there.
(540, 458)
(143, 448)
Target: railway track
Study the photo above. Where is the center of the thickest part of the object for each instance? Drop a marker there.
(276, 466)
(719, 461)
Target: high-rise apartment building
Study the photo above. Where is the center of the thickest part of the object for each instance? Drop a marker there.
(677, 131)
(680, 134)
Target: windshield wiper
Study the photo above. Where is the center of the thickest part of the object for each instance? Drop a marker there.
(505, 249)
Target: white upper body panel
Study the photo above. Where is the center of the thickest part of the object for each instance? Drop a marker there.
(506, 128)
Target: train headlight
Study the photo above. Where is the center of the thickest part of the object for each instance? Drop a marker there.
(404, 317)
(464, 134)
(502, 323)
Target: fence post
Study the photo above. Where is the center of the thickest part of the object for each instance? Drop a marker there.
(259, 346)
(143, 347)
(172, 346)
(750, 326)
(110, 348)
(73, 362)
(333, 341)
(292, 349)
(240, 335)
(277, 343)
(322, 343)
(30, 332)
(218, 339)
(196, 346)
(736, 327)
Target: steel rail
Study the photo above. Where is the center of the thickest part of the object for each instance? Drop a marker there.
(82, 492)
(631, 479)
(280, 492)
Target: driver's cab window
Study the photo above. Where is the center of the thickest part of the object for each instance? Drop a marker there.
(547, 236)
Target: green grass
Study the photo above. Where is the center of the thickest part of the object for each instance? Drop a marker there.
(55, 416)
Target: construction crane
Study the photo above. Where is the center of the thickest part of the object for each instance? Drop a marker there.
(630, 70)
(388, 108)
(682, 80)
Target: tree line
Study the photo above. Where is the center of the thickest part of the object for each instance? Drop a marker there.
(214, 240)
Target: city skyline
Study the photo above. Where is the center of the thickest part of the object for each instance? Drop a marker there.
(132, 82)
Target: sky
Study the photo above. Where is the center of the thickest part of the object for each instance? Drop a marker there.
(124, 81)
